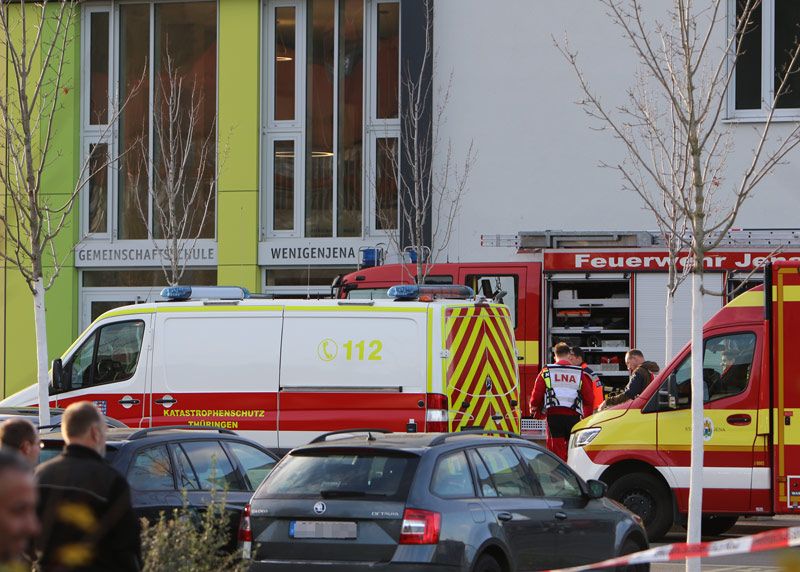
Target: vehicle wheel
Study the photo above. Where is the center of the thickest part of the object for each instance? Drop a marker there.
(487, 563)
(629, 547)
(716, 524)
(645, 495)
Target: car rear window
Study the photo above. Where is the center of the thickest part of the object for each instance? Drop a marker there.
(50, 449)
(369, 474)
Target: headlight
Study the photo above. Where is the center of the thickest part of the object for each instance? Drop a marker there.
(584, 437)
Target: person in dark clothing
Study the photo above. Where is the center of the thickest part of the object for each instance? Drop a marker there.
(642, 373)
(88, 523)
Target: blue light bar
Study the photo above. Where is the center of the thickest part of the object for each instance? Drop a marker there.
(414, 292)
(183, 293)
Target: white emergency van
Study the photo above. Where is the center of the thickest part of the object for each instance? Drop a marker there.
(283, 371)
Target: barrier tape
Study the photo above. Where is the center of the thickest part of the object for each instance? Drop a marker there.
(769, 540)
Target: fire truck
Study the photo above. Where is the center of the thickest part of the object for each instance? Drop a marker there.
(751, 393)
(602, 291)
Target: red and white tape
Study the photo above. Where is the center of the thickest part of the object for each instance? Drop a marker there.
(769, 540)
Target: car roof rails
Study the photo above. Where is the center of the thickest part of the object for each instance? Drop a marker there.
(324, 437)
(140, 433)
(439, 439)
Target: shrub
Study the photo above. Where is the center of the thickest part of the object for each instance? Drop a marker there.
(188, 540)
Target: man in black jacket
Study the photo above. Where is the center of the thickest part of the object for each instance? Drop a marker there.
(88, 523)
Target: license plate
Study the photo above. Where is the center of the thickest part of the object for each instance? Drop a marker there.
(322, 529)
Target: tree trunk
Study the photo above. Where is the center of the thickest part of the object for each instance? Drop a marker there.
(696, 468)
(668, 326)
(43, 379)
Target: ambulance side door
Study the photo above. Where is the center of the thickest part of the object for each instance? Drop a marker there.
(731, 366)
(110, 367)
(489, 281)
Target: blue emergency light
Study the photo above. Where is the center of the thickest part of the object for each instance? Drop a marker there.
(415, 291)
(183, 293)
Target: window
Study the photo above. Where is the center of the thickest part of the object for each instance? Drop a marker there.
(109, 355)
(151, 470)
(452, 477)
(126, 47)
(554, 477)
(211, 468)
(187, 478)
(765, 43)
(332, 121)
(361, 475)
(506, 472)
(256, 464)
(490, 286)
(727, 366)
(485, 483)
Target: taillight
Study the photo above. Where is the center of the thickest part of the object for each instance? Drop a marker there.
(420, 527)
(436, 416)
(246, 533)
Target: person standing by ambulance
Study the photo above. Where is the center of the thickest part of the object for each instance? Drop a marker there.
(577, 358)
(562, 394)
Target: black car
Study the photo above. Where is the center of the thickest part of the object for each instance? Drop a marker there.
(32, 415)
(164, 463)
(432, 502)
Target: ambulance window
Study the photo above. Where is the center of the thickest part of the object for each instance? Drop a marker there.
(118, 352)
(490, 285)
(78, 372)
(727, 366)
(151, 471)
(211, 465)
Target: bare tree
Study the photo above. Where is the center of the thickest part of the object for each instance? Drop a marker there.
(36, 38)
(179, 176)
(677, 145)
(430, 178)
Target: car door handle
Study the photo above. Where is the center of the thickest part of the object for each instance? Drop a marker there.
(166, 401)
(561, 515)
(739, 419)
(128, 401)
(504, 516)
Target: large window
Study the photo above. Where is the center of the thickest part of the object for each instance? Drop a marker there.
(332, 119)
(126, 47)
(765, 45)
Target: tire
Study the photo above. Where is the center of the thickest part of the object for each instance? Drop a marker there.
(646, 496)
(716, 524)
(487, 563)
(629, 547)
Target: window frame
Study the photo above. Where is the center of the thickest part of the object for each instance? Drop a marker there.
(654, 404)
(234, 463)
(228, 444)
(109, 132)
(170, 458)
(96, 333)
(272, 130)
(767, 70)
(581, 484)
(522, 463)
(470, 472)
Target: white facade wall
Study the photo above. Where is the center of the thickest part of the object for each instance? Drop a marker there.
(537, 166)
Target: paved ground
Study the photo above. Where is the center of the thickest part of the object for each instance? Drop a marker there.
(779, 560)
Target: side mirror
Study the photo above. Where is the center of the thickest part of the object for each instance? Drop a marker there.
(58, 375)
(597, 489)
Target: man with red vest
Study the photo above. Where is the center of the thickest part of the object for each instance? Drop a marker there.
(562, 394)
